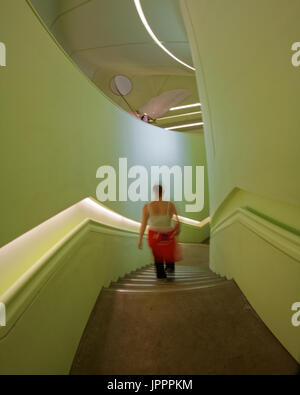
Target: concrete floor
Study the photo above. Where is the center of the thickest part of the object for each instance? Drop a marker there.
(192, 323)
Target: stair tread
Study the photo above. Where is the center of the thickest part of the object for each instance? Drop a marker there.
(176, 280)
(195, 324)
(164, 288)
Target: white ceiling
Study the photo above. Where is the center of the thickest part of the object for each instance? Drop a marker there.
(107, 37)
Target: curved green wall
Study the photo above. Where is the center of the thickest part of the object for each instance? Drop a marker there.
(250, 96)
(48, 311)
(57, 128)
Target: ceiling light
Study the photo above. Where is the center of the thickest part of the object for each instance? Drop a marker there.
(185, 126)
(180, 115)
(186, 106)
(149, 30)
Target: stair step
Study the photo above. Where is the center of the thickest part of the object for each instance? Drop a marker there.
(164, 288)
(170, 275)
(176, 272)
(181, 270)
(190, 330)
(163, 283)
(183, 278)
(177, 280)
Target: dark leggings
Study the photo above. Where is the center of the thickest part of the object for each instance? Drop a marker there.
(160, 269)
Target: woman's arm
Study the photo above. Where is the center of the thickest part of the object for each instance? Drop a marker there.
(177, 223)
(145, 216)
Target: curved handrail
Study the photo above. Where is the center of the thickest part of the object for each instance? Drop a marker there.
(38, 275)
(20, 263)
(280, 237)
(17, 256)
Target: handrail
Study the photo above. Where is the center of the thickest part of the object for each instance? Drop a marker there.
(66, 225)
(280, 237)
(16, 306)
(18, 255)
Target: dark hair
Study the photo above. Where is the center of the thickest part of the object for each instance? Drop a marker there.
(158, 189)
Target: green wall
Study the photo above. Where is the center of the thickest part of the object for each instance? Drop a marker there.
(47, 315)
(57, 128)
(250, 96)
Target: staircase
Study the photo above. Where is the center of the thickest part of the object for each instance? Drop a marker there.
(183, 279)
(193, 322)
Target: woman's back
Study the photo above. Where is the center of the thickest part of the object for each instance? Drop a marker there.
(160, 216)
(161, 234)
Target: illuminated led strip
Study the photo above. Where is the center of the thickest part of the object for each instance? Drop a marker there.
(149, 30)
(186, 106)
(23, 259)
(30, 250)
(185, 126)
(193, 222)
(180, 115)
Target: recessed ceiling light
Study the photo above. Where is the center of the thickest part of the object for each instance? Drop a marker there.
(186, 106)
(149, 30)
(185, 126)
(180, 115)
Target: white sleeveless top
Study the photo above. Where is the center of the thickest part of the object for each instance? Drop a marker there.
(160, 223)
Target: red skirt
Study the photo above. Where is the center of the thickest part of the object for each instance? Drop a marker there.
(164, 246)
